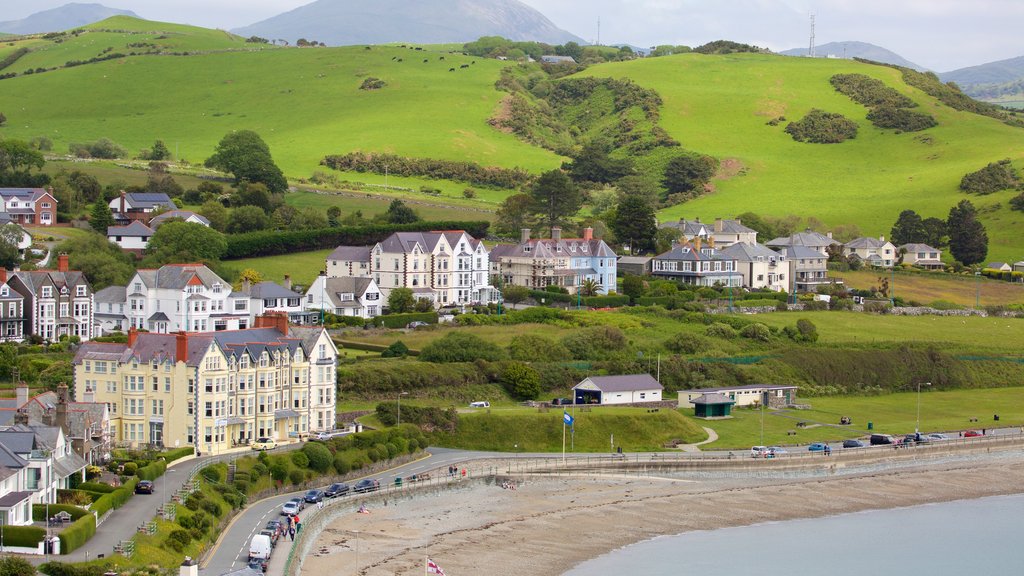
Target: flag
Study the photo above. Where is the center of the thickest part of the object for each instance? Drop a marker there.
(567, 418)
(434, 568)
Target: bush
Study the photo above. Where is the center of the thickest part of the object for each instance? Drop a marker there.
(720, 330)
(178, 539)
(318, 456)
(39, 511)
(371, 83)
(684, 343)
(211, 473)
(869, 91)
(397, 349)
(300, 459)
(756, 331)
(14, 566)
(901, 119)
(177, 453)
(64, 569)
(152, 471)
(379, 163)
(403, 320)
(130, 468)
(77, 534)
(460, 347)
(992, 178)
(23, 536)
(520, 381)
(342, 463)
(297, 477)
(595, 342)
(96, 487)
(822, 127)
(807, 330)
(533, 348)
(606, 301)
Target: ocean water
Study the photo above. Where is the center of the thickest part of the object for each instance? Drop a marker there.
(963, 538)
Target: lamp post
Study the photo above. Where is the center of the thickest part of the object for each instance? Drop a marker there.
(917, 428)
(400, 394)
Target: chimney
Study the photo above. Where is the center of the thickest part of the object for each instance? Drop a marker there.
(62, 262)
(181, 347)
(556, 233)
(588, 233)
(123, 209)
(829, 234)
(881, 238)
(3, 274)
(21, 417)
(21, 394)
(287, 282)
(273, 319)
(718, 224)
(62, 407)
(133, 335)
(696, 245)
(246, 285)
(524, 235)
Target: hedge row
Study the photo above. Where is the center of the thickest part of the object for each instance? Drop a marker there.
(75, 536)
(96, 487)
(39, 511)
(382, 163)
(177, 454)
(606, 301)
(152, 471)
(23, 536)
(273, 242)
(115, 499)
(402, 320)
(551, 296)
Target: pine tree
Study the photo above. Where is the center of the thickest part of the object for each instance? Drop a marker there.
(968, 241)
(908, 229)
(635, 224)
(100, 218)
(555, 198)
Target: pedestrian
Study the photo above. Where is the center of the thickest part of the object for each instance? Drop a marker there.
(288, 522)
(291, 534)
(463, 472)
(298, 526)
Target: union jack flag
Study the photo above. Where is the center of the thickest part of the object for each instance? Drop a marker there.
(434, 568)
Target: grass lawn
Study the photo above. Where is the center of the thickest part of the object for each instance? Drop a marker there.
(927, 288)
(941, 411)
(303, 267)
(58, 233)
(428, 208)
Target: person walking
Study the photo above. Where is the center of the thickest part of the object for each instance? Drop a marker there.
(291, 534)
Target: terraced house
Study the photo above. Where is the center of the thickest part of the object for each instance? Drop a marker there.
(565, 262)
(56, 302)
(214, 390)
(12, 312)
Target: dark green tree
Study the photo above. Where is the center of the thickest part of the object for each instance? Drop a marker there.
(10, 234)
(521, 381)
(181, 242)
(907, 229)
(635, 224)
(159, 151)
(555, 198)
(17, 162)
(401, 300)
(515, 294)
(594, 164)
(642, 186)
(968, 241)
(102, 262)
(216, 213)
(101, 218)
(247, 219)
(687, 174)
(253, 194)
(245, 155)
(399, 213)
(936, 233)
(334, 216)
(633, 286)
(514, 214)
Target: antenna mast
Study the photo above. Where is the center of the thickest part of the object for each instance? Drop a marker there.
(810, 50)
(598, 30)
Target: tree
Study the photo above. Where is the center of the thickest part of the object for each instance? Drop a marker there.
(515, 294)
(936, 233)
(309, 219)
(514, 214)
(664, 238)
(399, 213)
(101, 218)
(181, 242)
(593, 164)
(968, 241)
(603, 201)
(334, 216)
(908, 229)
(253, 194)
(318, 456)
(10, 235)
(590, 287)
(159, 151)
(555, 198)
(461, 347)
(15, 565)
(401, 300)
(88, 187)
(245, 155)
(635, 223)
(250, 275)
(687, 174)
(216, 213)
(632, 286)
(247, 219)
(17, 161)
(638, 186)
(102, 262)
(521, 381)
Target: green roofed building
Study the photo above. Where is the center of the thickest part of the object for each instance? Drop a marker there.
(712, 405)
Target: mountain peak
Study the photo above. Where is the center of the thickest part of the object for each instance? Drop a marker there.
(346, 22)
(855, 49)
(65, 17)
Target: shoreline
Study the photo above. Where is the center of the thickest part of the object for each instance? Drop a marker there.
(548, 525)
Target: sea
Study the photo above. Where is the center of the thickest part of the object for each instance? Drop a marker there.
(979, 537)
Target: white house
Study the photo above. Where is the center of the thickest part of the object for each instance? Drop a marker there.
(759, 266)
(345, 296)
(626, 389)
(774, 396)
(808, 239)
(134, 236)
(187, 297)
(722, 233)
(877, 252)
(922, 255)
(110, 310)
(185, 215)
(139, 205)
(270, 296)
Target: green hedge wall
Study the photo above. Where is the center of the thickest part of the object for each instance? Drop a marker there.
(75, 536)
(402, 320)
(551, 296)
(177, 454)
(152, 471)
(96, 487)
(605, 301)
(115, 499)
(272, 242)
(39, 511)
(25, 536)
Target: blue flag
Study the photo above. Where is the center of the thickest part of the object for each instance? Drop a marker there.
(567, 419)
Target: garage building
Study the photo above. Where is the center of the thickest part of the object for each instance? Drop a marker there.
(625, 389)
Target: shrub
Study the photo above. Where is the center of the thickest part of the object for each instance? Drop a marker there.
(297, 476)
(96, 487)
(342, 464)
(869, 91)
(822, 127)
(279, 471)
(371, 83)
(533, 348)
(23, 536)
(318, 456)
(595, 342)
(992, 178)
(178, 539)
(460, 347)
(397, 349)
(211, 473)
(756, 331)
(130, 468)
(300, 459)
(471, 172)
(177, 453)
(14, 566)
(210, 507)
(808, 331)
(152, 471)
(613, 301)
(684, 343)
(77, 534)
(65, 569)
(39, 511)
(520, 381)
(720, 330)
(901, 119)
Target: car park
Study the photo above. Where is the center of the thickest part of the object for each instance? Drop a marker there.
(314, 496)
(818, 447)
(264, 444)
(335, 490)
(852, 444)
(365, 485)
(144, 487)
(290, 508)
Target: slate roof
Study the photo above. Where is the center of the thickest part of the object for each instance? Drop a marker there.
(742, 252)
(351, 253)
(864, 243)
(183, 214)
(111, 295)
(335, 287)
(177, 276)
(624, 383)
(31, 194)
(547, 248)
(36, 279)
(136, 229)
(712, 398)
(915, 248)
(14, 498)
(149, 200)
(802, 252)
(806, 238)
(996, 264)
(686, 251)
(264, 290)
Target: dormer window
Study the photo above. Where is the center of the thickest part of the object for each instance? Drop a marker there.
(526, 249)
(583, 247)
(79, 290)
(216, 288)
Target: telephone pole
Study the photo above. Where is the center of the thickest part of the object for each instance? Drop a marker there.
(810, 49)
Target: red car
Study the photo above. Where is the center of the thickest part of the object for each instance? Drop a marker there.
(972, 434)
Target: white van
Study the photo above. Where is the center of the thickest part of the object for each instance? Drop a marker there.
(260, 547)
(479, 404)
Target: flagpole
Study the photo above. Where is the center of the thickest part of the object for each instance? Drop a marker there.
(563, 441)
(426, 565)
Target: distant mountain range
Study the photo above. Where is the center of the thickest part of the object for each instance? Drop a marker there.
(852, 49)
(992, 73)
(64, 18)
(346, 22)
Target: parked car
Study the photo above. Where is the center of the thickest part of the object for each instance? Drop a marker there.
(881, 439)
(290, 508)
(915, 438)
(479, 404)
(335, 490)
(776, 450)
(260, 548)
(972, 434)
(276, 526)
(852, 444)
(325, 435)
(937, 436)
(258, 565)
(758, 451)
(264, 444)
(416, 324)
(314, 496)
(365, 485)
(562, 401)
(817, 447)
(273, 534)
(144, 487)
(300, 502)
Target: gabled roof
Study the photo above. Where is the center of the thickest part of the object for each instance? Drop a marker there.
(37, 278)
(743, 252)
(149, 200)
(801, 252)
(712, 398)
(806, 238)
(111, 295)
(909, 248)
(687, 251)
(136, 228)
(268, 289)
(31, 194)
(335, 287)
(624, 383)
(177, 276)
(864, 242)
(351, 253)
(547, 248)
(996, 265)
(183, 214)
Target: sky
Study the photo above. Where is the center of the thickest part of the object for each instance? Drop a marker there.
(941, 35)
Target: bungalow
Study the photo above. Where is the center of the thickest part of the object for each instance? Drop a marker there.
(626, 389)
(712, 406)
(876, 252)
(134, 236)
(999, 266)
(774, 396)
(922, 256)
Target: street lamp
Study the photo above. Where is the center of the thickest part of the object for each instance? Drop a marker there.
(400, 394)
(917, 428)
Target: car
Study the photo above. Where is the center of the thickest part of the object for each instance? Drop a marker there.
(479, 404)
(264, 444)
(276, 526)
(335, 490)
(937, 436)
(776, 450)
(290, 508)
(972, 434)
(881, 440)
(365, 485)
(818, 447)
(759, 451)
(144, 487)
(314, 496)
(416, 324)
(258, 565)
(852, 444)
(916, 438)
(300, 502)
(273, 534)
(561, 401)
(325, 435)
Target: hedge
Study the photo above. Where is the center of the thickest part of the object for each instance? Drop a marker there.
(177, 454)
(605, 301)
(273, 242)
(76, 535)
(551, 296)
(115, 499)
(402, 320)
(96, 487)
(152, 471)
(39, 511)
(23, 536)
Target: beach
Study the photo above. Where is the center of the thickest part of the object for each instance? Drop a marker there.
(549, 524)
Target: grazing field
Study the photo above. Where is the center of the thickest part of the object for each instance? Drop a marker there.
(866, 181)
(374, 203)
(927, 288)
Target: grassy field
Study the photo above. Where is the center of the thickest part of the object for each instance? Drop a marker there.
(374, 203)
(941, 411)
(927, 288)
(720, 105)
(303, 267)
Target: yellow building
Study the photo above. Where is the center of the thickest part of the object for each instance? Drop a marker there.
(214, 390)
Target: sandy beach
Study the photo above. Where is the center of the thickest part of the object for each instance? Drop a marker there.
(548, 525)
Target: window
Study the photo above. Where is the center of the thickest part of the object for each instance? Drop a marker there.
(47, 292)
(79, 290)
